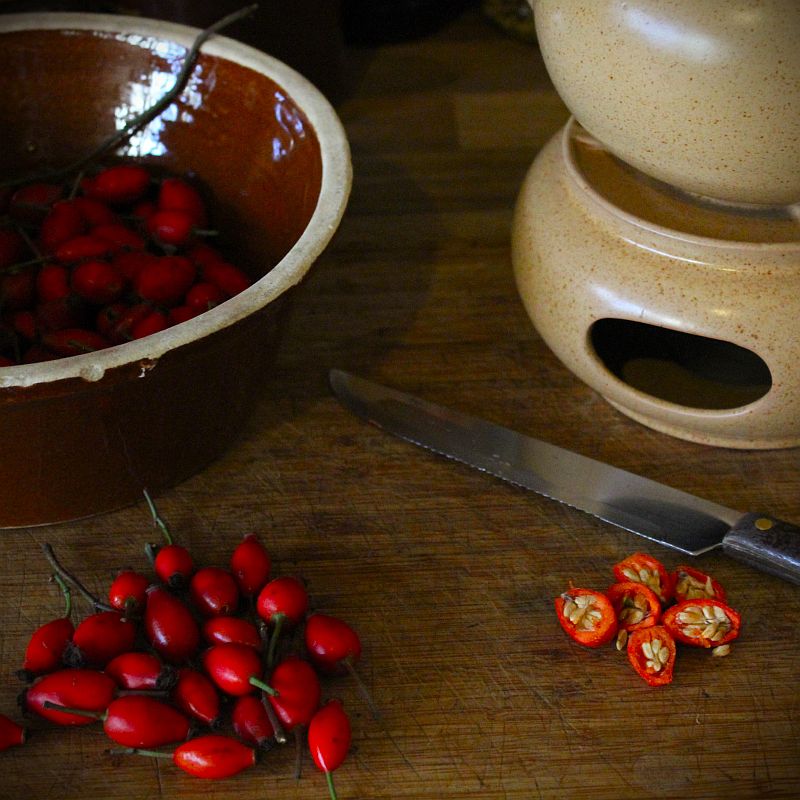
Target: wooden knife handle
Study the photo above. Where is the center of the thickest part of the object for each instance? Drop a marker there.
(766, 543)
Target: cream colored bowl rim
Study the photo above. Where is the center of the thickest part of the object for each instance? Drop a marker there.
(333, 196)
(614, 212)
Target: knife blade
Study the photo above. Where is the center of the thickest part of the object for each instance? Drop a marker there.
(658, 512)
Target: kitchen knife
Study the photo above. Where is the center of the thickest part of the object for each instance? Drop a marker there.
(657, 512)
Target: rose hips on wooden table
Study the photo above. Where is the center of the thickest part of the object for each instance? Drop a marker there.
(651, 652)
(128, 592)
(587, 616)
(235, 668)
(212, 756)
(643, 568)
(231, 630)
(214, 591)
(197, 696)
(281, 603)
(169, 626)
(251, 722)
(102, 636)
(329, 736)
(48, 642)
(85, 689)
(12, 734)
(250, 565)
(297, 692)
(690, 583)
(702, 623)
(139, 671)
(135, 721)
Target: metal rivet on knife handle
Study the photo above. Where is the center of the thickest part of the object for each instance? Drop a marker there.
(764, 523)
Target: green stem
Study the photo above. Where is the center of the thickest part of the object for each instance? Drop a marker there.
(273, 641)
(67, 594)
(265, 687)
(81, 712)
(277, 729)
(331, 789)
(138, 751)
(149, 114)
(157, 521)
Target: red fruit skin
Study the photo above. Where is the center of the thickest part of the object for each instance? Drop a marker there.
(173, 564)
(98, 282)
(52, 282)
(214, 756)
(11, 733)
(86, 689)
(196, 695)
(93, 211)
(103, 636)
(230, 667)
(47, 645)
(130, 262)
(65, 312)
(74, 341)
(62, 223)
(128, 591)
(154, 322)
(120, 184)
(204, 296)
(141, 721)
(251, 721)
(169, 227)
(12, 248)
(17, 290)
(166, 281)
(299, 692)
(285, 595)
(24, 323)
(178, 314)
(36, 354)
(122, 329)
(135, 670)
(250, 565)
(81, 247)
(331, 642)
(170, 626)
(175, 194)
(329, 736)
(228, 277)
(214, 591)
(30, 203)
(6, 362)
(118, 236)
(202, 253)
(231, 630)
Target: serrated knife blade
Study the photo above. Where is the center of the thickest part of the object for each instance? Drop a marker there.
(658, 512)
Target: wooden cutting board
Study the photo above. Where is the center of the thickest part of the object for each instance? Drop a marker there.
(448, 574)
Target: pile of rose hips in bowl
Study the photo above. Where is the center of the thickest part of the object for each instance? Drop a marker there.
(114, 256)
(648, 611)
(195, 658)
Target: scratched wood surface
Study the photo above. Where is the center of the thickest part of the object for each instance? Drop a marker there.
(448, 574)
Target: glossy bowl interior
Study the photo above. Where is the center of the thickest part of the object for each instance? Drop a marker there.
(86, 434)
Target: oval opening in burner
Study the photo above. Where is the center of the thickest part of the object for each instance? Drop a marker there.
(679, 367)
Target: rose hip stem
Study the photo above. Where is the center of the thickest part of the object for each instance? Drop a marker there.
(70, 578)
(148, 114)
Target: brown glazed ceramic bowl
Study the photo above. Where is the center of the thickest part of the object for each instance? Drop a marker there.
(86, 434)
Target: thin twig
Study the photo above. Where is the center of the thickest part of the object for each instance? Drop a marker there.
(69, 578)
(148, 114)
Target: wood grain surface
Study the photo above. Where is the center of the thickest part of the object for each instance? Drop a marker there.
(449, 575)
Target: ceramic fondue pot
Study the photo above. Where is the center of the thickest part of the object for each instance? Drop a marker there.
(703, 95)
(682, 314)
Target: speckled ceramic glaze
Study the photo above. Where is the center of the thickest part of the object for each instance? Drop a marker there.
(606, 257)
(85, 434)
(702, 94)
